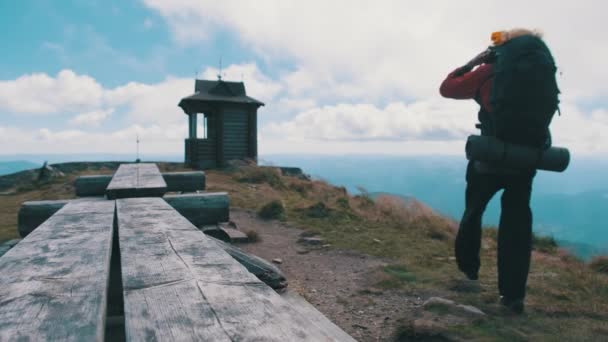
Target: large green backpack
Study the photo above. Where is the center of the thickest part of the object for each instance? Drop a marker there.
(524, 91)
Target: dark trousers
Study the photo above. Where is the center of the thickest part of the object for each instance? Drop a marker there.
(514, 230)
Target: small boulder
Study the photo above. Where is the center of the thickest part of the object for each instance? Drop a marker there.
(311, 241)
(427, 327)
(452, 307)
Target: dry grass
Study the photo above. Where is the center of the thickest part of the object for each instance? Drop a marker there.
(566, 297)
(599, 264)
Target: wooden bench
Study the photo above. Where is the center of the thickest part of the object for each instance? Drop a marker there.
(136, 180)
(180, 285)
(191, 181)
(53, 284)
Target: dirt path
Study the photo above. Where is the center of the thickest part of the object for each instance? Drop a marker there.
(337, 282)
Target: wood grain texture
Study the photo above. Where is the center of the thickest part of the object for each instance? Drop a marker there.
(180, 285)
(136, 180)
(53, 284)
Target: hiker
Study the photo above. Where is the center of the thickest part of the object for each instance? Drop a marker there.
(514, 84)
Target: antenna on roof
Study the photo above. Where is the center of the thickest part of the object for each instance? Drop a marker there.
(219, 75)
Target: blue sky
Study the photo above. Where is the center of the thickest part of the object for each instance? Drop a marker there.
(337, 77)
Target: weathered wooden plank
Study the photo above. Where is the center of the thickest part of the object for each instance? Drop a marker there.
(315, 316)
(92, 185)
(202, 209)
(185, 181)
(136, 180)
(33, 213)
(53, 284)
(180, 285)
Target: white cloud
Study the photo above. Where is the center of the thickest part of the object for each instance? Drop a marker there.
(93, 118)
(152, 103)
(439, 120)
(154, 139)
(401, 48)
(414, 128)
(39, 93)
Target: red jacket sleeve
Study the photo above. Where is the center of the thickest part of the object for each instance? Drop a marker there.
(466, 86)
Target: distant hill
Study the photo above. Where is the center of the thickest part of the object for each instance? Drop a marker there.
(8, 167)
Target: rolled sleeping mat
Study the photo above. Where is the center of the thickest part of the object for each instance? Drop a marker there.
(491, 150)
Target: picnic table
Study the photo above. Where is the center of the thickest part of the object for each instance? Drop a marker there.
(136, 265)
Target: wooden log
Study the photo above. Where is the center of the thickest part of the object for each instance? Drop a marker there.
(34, 213)
(180, 285)
(265, 271)
(54, 282)
(202, 209)
(92, 185)
(185, 181)
(136, 180)
(7, 245)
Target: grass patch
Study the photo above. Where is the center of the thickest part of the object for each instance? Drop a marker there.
(394, 277)
(259, 175)
(253, 236)
(566, 297)
(545, 244)
(272, 210)
(599, 264)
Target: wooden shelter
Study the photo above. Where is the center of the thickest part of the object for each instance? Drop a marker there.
(222, 124)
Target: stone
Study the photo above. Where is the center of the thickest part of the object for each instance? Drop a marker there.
(47, 172)
(277, 261)
(426, 327)
(360, 326)
(311, 241)
(452, 306)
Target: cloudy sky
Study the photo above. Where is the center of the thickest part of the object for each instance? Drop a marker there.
(336, 76)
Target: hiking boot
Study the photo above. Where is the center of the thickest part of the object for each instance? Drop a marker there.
(514, 305)
(471, 275)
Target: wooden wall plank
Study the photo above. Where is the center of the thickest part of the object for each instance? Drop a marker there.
(53, 284)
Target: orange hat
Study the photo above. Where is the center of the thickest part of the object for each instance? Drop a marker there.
(498, 37)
